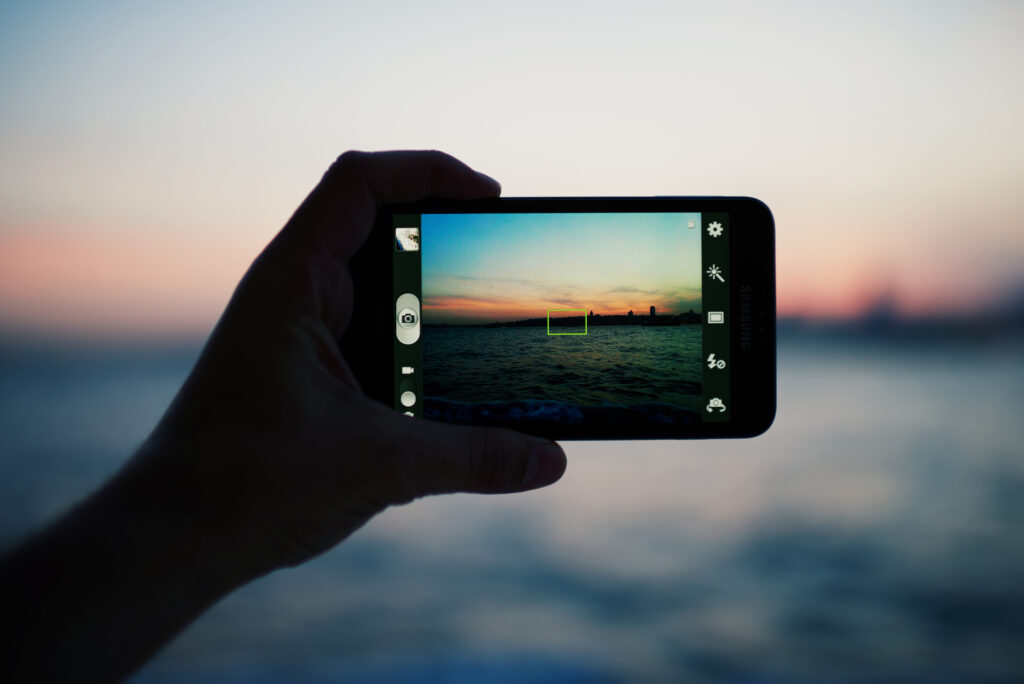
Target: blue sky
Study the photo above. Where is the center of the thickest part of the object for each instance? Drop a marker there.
(511, 266)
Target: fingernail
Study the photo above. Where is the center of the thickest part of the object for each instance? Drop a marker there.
(544, 465)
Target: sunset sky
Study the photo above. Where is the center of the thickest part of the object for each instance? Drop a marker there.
(149, 150)
(481, 269)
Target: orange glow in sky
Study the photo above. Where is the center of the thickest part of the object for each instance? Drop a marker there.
(96, 282)
(146, 160)
(476, 309)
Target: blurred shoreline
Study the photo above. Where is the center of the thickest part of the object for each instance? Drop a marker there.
(878, 325)
(897, 328)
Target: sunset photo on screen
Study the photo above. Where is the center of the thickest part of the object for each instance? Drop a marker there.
(577, 317)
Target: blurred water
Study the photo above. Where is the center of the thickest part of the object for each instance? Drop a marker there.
(873, 534)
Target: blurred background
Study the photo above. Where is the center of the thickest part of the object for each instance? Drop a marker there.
(149, 150)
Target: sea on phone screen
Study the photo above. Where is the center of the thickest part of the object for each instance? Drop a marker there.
(613, 374)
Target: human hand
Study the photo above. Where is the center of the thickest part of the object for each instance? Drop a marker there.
(270, 446)
(269, 454)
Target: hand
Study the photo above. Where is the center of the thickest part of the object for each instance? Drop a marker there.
(269, 455)
(271, 441)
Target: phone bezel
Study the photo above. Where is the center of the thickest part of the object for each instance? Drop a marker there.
(367, 343)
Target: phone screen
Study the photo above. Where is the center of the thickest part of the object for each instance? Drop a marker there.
(528, 320)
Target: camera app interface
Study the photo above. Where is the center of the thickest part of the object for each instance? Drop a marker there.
(572, 318)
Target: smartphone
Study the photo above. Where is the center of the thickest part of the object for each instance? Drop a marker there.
(571, 318)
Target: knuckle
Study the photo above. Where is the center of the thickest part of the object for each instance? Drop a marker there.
(351, 158)
(347, 164)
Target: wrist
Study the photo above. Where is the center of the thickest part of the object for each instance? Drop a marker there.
(103, 588)
(165, 504)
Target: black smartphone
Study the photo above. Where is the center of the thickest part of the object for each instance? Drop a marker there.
(571, 318)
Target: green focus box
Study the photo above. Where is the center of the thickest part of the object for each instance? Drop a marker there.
(583, 311)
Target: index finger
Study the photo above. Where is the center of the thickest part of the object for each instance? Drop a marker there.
(340, 211)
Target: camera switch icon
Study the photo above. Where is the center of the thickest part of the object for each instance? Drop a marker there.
(716, 403)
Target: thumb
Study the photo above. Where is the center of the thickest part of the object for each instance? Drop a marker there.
(448, 458)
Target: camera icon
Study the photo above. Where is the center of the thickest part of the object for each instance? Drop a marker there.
(407, 318)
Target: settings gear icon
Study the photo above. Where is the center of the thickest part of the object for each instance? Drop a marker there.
(715, 229)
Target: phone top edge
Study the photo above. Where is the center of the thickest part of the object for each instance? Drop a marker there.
(580, 198)
(583, 204)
